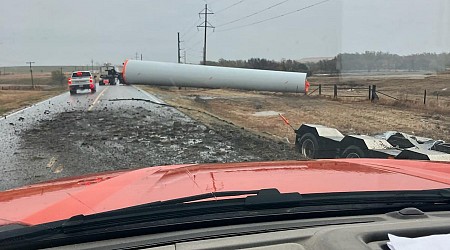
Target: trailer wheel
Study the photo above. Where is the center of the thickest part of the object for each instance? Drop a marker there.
(308, 146)
(353, 152)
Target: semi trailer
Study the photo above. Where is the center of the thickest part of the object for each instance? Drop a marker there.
(321, 142)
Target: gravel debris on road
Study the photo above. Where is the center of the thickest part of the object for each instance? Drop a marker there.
(77, 142)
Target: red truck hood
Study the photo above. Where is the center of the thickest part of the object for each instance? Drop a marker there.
(64, 198)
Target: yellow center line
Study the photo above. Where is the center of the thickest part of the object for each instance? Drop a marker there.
(96, 99)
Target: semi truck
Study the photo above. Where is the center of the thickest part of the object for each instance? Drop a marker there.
(110, 77)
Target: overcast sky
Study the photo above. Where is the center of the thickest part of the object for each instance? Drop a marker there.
(67, 32)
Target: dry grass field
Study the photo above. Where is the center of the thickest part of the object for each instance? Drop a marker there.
(16, 91)
(258, 111)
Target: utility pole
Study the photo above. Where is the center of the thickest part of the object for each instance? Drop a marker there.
(31, 72)
(92, 66)
(179, 55)
(61, 77)
(205, 25)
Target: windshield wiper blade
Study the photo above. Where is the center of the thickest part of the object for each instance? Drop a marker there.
(270, 197)
(204, 196)
(191, 205)
(261, 197)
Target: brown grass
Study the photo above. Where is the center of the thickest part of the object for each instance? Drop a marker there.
(25, 79)
(408, 90)
(11, 100)
(357, 117)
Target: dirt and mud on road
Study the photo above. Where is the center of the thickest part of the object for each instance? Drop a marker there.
(75, 143)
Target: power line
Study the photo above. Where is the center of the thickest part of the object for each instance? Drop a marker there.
(275, 17)
(189, 38)
(255, 13)
(193, 45)
(210, 2)
(189, 28)
(198, 42)
(194, 56)
(229, 7)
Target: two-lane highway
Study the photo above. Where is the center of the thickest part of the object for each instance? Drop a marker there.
(18, 168)
(72, 135)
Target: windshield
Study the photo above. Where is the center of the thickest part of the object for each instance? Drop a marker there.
(183, 98)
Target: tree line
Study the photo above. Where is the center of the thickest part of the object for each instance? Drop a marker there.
(369, 61)
(264, 64)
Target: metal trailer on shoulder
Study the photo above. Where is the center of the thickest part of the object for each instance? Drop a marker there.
(320, 142)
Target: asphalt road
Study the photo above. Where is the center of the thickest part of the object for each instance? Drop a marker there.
(15, 170)
(88, 133)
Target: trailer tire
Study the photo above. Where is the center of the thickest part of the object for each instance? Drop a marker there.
(308, 146)
(353, 152)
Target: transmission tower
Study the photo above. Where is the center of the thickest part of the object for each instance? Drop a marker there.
(205, 25)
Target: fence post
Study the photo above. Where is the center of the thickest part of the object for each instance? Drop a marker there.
(320, 89)
(425, 97)
(374, 92)
(437, 99)
(370, 91)
(335, 91)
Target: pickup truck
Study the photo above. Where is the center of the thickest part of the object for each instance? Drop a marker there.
(81, 80)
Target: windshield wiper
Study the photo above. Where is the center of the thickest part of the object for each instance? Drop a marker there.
(260, 198)
(273, 197)
(256, 200)
(192, 212)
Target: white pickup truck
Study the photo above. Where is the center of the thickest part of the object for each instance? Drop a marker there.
(81, 80)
